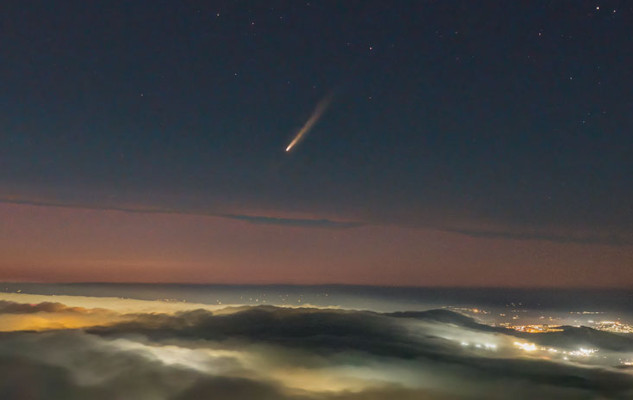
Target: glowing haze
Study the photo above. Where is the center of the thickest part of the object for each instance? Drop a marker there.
(55, 350)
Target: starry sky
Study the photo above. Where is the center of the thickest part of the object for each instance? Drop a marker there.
(452, 143)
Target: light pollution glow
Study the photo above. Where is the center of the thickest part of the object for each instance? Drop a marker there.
(188, 343)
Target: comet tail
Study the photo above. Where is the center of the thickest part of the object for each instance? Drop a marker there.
(314, 118)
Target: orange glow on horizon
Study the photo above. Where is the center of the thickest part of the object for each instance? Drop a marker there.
(53, 244)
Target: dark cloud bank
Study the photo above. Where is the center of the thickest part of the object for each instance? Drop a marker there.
(301, 354)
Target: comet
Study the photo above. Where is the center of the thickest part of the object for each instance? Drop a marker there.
(314, 118)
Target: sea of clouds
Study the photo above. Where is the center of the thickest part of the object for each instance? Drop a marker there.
(53, 351)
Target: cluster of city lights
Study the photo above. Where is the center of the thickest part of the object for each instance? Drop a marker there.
(581, 352)
(536, 328)
(613, 326)
(484, 346)
(525, 346)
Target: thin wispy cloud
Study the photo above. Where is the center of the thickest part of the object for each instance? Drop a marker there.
(254, 219)
(578, 238)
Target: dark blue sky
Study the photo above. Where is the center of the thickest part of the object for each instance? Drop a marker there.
(490, 118)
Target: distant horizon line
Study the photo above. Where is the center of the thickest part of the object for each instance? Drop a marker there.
(358, 285)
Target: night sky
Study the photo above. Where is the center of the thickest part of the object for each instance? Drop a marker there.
(455, 143)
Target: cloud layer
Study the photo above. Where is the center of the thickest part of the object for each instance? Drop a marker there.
(299, 354)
